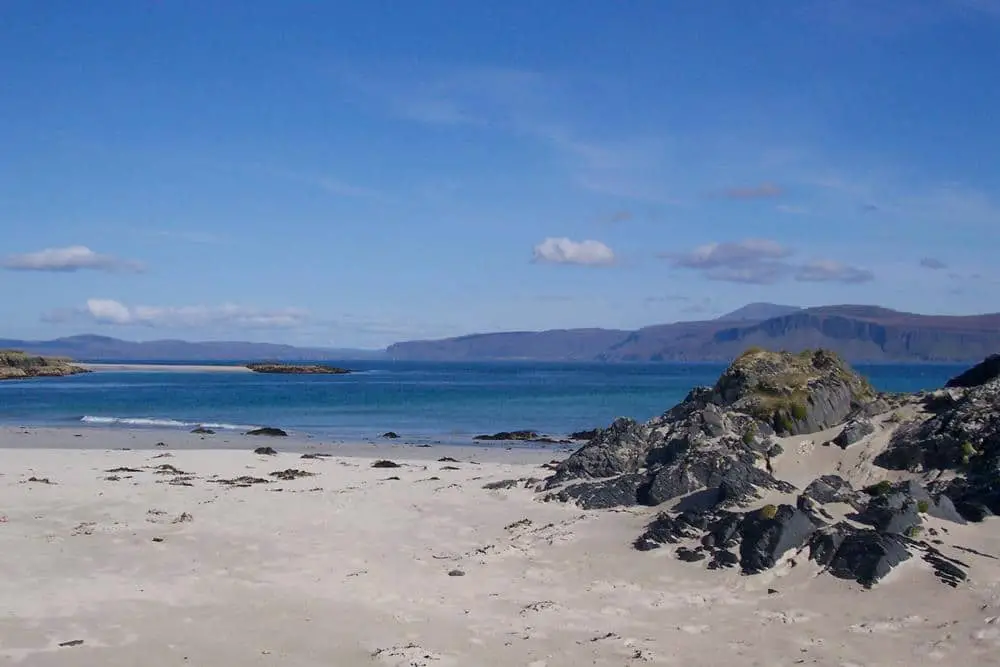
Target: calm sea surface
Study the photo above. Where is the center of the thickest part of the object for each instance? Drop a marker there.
(421, 401)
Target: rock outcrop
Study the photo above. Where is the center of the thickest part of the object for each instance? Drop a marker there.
(981, 373)
(297, 369)
(708, 461)
(718, 438)
(18, 365)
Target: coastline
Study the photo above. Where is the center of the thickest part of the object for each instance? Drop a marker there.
(160, 368)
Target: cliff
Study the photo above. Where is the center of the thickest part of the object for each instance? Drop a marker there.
(858, 333)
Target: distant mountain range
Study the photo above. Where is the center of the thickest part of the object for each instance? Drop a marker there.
(103, 348)
(859, 333)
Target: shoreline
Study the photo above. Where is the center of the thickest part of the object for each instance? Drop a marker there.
(104, 438)
(160, 368)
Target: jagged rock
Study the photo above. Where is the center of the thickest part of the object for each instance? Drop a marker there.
(854, 431)
(201, 430)
(863, 555)
(390, 435)
(268, 431)
(622, 491)
(620, 448)
(742, 480)
(834, 489)
(793, 393)
(265, 451)
(892, 513)
(690, 555)
(963, 435)
(945, 509)
(764, 539)
(981, 373)
(584, 435)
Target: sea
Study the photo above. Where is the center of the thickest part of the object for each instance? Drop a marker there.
(422, 402)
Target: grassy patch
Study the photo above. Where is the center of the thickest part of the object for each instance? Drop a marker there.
(883, 488)
(768, 512)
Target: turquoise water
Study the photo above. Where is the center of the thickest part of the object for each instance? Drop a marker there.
(420, 401)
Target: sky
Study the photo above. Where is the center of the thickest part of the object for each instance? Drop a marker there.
(352, 174)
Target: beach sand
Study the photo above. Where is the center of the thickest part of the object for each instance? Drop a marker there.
(351, 566)
(163, 368)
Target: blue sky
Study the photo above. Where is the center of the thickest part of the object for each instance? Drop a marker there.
(352, 174)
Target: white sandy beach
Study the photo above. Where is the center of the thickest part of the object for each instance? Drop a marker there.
(351, 567)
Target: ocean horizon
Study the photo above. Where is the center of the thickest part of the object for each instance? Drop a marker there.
(421, 401)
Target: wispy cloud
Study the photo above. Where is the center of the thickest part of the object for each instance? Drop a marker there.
(226, 316)
(566, 251)
(933, 264)
(829, 271)
(762, 191)
(69, 259)
(761, 262)
(524, 104)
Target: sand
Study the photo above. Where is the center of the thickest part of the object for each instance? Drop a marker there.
(164, 368)
(351, 567)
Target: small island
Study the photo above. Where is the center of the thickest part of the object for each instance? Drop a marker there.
(15, 364)
(297, 369)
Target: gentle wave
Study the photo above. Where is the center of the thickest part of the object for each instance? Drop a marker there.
(162, 423)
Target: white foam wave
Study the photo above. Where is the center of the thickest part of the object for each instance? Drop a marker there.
(162, 423)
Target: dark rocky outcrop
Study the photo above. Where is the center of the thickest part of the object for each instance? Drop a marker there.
(297, 369)
(854, 431)
(265, 451)
(834, 489)
(268, 431)
(712, 455)
(894, 512)
(765, 537)
(716, 439)
(859, 554)
(981, 373)
(962, 435)
(390, 435)
(510, 435)
(201, 430)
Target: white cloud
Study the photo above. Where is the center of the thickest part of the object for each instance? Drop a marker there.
(109, 311)
(566, 251)
(71, 258)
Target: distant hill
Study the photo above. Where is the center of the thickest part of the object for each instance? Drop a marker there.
(758, 311)
(859, 333)
(103, 348)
